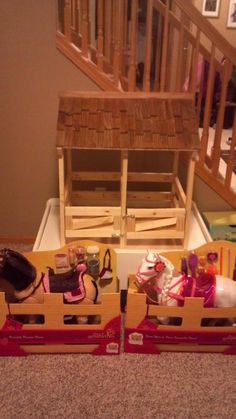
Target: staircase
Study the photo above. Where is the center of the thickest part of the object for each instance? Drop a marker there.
(159, 46)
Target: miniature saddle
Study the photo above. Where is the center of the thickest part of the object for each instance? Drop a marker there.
(203, 286)
(69, 283)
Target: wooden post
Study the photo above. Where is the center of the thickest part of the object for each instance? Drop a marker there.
(148, 47)
(207, 111)
(100, 38)
(67, 19)
(158, 55)
(125, 36)
(117, 46)
(175, 172)
(193, 76)
(189, 193)
(61, 168)
(180, 69)
(216, 150)
(231, 161)
(165, 48)
(85, 28)
(108, 29)
(133, 47)
(123, 195)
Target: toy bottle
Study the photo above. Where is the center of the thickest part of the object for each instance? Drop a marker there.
(93, 262)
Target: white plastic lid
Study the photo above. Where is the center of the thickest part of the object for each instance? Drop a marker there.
(92, 250)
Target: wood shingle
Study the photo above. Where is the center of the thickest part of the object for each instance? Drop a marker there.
(108, 120)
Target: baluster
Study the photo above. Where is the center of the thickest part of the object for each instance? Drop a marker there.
(84, 27)
(107, 29)
(216, 150)
(200, 92)
(125, 50)
(100, 36)
(121, 36)
(60, 16)
(158, 54)
(148, 47)
(232, 159)
(171, 58)
(208, 102)
(73, 15)
(113, 34)
(76, 22)
(179, 71)
(165, 47)
(133, 46)
(79, 7)
(67, 19)
(117, 47)
(195, 63)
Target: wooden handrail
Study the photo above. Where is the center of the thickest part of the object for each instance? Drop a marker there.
(155, 46)
(207, 28)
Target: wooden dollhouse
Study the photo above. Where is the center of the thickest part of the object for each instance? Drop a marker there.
(118, 159)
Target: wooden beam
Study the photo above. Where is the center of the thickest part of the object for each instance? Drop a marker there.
(154, 224)
(90, 222)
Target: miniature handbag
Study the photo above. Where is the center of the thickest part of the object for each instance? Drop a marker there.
(106, 272)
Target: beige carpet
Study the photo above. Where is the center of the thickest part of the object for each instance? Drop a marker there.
(128, 386)
(170, 385)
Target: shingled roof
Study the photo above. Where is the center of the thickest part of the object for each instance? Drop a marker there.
(110, 120)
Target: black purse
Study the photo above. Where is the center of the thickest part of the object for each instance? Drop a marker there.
(16, 269)
(106, 272)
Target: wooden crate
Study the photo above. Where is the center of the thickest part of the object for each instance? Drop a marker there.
(53, 335)
(144, 335)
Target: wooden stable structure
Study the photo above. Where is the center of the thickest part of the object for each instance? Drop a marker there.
(144, 335)
(113, 150)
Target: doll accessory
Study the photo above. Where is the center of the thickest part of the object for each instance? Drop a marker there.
(106, 272)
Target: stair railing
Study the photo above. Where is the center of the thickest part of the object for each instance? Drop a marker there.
(161, 46)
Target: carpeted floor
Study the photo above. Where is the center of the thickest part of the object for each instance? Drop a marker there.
(170, 385)
(125, 387)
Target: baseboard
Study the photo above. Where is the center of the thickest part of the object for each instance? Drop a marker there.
(17, 239)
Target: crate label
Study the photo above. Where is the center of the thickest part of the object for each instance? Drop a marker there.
(139, 336)
(46, 336)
